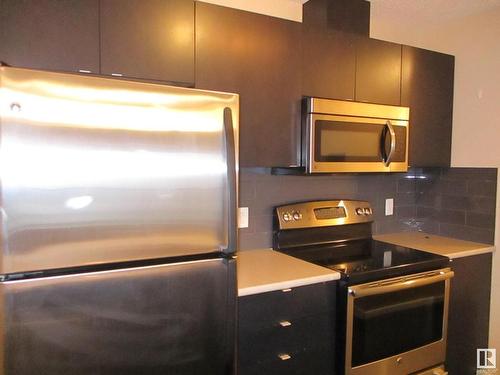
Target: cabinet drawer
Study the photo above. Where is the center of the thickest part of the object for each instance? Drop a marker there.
(306, 334)
(267, 309)
(314, 362)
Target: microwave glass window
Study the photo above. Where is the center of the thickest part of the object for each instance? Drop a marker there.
(348, 142)
(412, 317)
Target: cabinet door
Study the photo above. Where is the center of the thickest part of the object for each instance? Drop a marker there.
(298, 323)
(257, 57)
(468, 322)
(148, 39)
(50, 34)
(378, 71)
(328, 64)
(427, 88)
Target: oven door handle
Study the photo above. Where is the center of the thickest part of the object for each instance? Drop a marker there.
(388, 159)
(400, 284)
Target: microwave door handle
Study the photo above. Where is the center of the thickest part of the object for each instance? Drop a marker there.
(231, 181)
(388, 160)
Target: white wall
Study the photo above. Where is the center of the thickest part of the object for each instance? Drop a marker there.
(289, 9)
(475, 42)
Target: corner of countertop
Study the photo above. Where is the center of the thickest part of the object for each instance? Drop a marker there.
(266, 270)
(450, 247)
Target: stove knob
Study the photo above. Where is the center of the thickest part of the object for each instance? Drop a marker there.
(368, 211)
(287, 216)
(360, 211)
(297, 215)
(365, 267)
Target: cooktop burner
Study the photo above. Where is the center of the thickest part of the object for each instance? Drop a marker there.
(365, 260)
(337, 235)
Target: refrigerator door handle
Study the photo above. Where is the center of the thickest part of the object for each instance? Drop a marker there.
(231, 181)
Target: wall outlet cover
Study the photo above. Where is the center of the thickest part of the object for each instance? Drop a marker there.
(389, 206)
(242, 217)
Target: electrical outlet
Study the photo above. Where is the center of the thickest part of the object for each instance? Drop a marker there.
(242, 217)
(389, 207)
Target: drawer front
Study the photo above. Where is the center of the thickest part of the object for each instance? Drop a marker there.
(290, 337)
(313, 362)
(267, 309)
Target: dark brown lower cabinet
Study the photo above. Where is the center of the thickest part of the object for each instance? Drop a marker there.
(288, 332)
(469, 313)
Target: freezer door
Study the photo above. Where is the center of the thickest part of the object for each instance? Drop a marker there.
(170, 319)
(96, 170)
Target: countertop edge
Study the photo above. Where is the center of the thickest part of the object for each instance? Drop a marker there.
(430, 247)
(467, 253)
(272, 287)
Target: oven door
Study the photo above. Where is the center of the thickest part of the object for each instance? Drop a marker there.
(355, 144)
(397, 326)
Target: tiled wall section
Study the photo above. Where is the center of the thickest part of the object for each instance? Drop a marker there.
(457, 202)
(261, 191)
(454, 202)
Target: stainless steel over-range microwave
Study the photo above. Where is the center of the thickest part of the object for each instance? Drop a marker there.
(344, 136)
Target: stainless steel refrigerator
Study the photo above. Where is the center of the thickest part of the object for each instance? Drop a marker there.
(118, 227)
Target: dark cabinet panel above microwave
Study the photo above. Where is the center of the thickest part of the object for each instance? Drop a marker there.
(427, 88)
(148, 39)
(328, 64)
(257, 57)
(50, 34)
(378, 71)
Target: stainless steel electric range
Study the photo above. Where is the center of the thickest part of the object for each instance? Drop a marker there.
(392, 301)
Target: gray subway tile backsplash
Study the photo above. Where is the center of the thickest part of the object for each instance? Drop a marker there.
(454, 202)
(463, 202)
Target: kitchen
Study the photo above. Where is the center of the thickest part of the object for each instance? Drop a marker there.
(230, 55)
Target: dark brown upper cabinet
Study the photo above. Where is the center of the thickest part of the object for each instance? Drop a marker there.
(50, 34)
(148, 39)
(257, 57)
(378, 71)
(328, 64)
(427, 88)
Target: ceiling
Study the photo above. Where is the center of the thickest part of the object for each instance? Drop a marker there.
(431, 11)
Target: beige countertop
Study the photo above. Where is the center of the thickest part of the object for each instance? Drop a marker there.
(449, 247)
(266, 270)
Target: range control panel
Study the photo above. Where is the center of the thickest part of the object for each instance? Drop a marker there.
(323, 213)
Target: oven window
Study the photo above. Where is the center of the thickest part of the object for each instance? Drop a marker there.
(392, 323)
(349, 142)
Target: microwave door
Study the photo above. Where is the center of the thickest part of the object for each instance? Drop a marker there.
(345, 144)
(355, 144)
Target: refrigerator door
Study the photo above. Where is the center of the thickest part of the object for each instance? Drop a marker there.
(96, 170)
(171, 319)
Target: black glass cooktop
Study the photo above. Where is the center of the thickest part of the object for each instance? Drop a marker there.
(367, 260)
